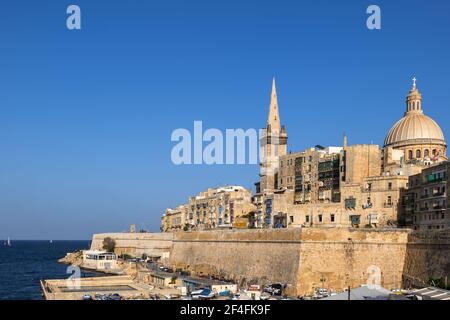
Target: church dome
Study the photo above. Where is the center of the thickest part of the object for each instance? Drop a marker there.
(414, 128)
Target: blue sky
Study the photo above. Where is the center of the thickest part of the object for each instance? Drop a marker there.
(86, 116)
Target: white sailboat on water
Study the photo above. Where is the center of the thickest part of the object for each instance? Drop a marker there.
(8, 242)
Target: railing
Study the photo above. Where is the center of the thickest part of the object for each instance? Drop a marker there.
(436, 180)
(438, 208)
(438, 194)
(367, 206)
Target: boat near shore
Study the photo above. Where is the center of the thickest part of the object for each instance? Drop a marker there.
(7, 243)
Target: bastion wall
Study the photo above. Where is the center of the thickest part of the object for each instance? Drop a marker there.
(304, 259)
(137, 244)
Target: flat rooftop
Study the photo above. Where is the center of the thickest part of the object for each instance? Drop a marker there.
(64, 289)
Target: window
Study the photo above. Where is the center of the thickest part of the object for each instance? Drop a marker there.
(390, 186)
(332, 217)
(307, 218)
(389, 200)
(418, 154)
(291, 218)
(410, 154)
(434, 152)
(320, 218)
(426, 153)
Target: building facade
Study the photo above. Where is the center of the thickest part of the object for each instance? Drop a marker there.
(174, 219)
(361, 185)
(426, 200)
(99, 260)
(224, 207)
(356, 185)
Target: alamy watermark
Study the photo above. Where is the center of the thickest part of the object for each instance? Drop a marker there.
(73, 21)
(215, 147)
(374, 20)
(73, 282)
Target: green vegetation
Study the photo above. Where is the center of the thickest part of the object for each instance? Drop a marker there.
(440, 283)
(125, 256)
(109, 244)
(173, 280)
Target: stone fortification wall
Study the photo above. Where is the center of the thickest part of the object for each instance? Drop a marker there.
(245, 256)
(136, 244)
(341, 257)
(427, 257)
(304, 259)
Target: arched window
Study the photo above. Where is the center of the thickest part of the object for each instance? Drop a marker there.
(410, 154)
(418, 154)
(426, 153)
(434, 152)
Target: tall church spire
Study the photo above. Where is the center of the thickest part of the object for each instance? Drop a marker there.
(273, 145)
(274, 117)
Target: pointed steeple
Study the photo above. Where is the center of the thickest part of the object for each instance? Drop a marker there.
(274, 118)
(345, 141)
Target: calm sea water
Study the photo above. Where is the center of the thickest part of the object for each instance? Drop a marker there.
(26, 262)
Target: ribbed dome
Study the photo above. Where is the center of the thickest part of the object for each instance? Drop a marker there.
(414, 128)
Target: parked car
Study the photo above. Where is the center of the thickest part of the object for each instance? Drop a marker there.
(275, 289)
(236, 296)
(115, 296)
(265, 296)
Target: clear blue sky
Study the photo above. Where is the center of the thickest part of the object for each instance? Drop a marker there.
(86, 116)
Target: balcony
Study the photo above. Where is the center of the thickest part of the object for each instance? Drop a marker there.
(436, 181)
(438, 194)
(367, 205)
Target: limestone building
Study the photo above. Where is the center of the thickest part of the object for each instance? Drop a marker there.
(174, 219)
(223, 207)
(362, 185)
(356, 185)
(427, 198)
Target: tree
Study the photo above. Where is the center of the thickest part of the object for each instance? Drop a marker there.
(109, 244)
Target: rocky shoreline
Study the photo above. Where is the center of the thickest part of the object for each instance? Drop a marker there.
(73, 258)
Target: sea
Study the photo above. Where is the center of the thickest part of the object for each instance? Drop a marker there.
(25, 263)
